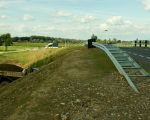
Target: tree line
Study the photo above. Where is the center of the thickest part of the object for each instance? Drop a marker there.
(35, 38)
(109, 41)
(7, 40)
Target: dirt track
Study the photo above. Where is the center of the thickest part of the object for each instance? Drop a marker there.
(82, 86)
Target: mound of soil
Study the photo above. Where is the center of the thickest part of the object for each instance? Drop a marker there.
(10, 67)
(83, 85)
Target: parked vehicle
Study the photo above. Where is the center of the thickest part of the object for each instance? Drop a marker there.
(52, 45)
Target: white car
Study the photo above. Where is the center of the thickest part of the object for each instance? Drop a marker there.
(50, 45)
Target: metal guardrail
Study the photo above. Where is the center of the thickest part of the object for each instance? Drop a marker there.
(124, 63)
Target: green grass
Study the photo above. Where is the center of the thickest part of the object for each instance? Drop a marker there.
(35, 53)
(37, 58)
(102, 61)
(22, 46)
(52, 56)
(28, 45)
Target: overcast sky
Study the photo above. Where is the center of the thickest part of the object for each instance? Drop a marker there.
(124, 19)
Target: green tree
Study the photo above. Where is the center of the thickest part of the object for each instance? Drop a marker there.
(7, 40)
(114, 40)
(1, 41)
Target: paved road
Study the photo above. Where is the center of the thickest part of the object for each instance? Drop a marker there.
(140, 55)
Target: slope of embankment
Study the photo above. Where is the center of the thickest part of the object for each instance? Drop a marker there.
(82, 85)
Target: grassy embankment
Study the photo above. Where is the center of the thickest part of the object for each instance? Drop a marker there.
(81, 85)
(22, 54)
(34, 53)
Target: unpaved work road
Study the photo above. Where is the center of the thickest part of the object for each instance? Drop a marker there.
(82, 85)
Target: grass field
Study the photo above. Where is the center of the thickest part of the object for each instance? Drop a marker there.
(83, 85)
(26, 58)
(28, 45)
(25, 54)
(22, 46)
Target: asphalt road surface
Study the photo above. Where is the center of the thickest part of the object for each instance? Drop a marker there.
(140, 55)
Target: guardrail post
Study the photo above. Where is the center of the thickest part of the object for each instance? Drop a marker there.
(140, 43)
(146, 42)
(93, 39)
(135, 42)
(90, 43)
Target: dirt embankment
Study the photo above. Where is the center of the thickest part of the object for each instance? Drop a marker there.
(83, 85)
(10, 67)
